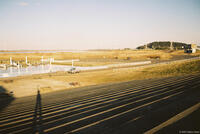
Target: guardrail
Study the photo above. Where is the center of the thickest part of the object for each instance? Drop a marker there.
(130, 64)
(167, 62)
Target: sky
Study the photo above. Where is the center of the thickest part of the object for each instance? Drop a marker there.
(96, 24)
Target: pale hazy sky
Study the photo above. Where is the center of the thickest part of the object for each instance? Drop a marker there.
(96, 24)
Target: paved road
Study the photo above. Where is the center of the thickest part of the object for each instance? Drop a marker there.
(120, 108)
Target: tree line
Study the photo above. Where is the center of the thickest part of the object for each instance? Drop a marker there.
(163, 45)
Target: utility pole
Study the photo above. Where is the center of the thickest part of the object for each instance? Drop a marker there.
(10, 60)
(18, 65)
(50, 65)
(26, 60)
(42, 60)
(72, 63)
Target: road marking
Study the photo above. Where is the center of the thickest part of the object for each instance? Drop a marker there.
(174, 119)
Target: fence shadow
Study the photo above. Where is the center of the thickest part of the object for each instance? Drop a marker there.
(5, 98)
(37, 118)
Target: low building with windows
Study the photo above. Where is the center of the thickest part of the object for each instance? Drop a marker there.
(190, 48)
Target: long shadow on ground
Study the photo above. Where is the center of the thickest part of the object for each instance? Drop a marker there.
(5, 98)
(37, 117)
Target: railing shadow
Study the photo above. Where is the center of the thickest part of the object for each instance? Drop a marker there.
(37, 118)
(5, 98)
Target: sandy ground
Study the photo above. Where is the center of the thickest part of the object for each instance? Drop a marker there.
(29, 87)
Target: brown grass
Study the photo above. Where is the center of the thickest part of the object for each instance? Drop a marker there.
(27, 85)
(115, 55)
(112, 54)
(126, 74)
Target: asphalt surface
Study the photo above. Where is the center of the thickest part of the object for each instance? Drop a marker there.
(117, 108)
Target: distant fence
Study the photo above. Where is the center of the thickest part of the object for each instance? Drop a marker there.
(130, 64)
(162, 63)
(176, 61)
(61, 61)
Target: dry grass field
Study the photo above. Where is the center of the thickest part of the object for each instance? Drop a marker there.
(96, 58)
(28, 85)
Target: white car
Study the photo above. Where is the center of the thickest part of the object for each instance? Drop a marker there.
(73, 70)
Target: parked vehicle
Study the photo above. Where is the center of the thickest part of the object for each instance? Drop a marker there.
(73, 70)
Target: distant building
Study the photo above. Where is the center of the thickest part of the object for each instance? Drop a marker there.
(190, 48)
(127, 48)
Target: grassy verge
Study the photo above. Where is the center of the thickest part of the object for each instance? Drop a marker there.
(174, 69)
(126, 74)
